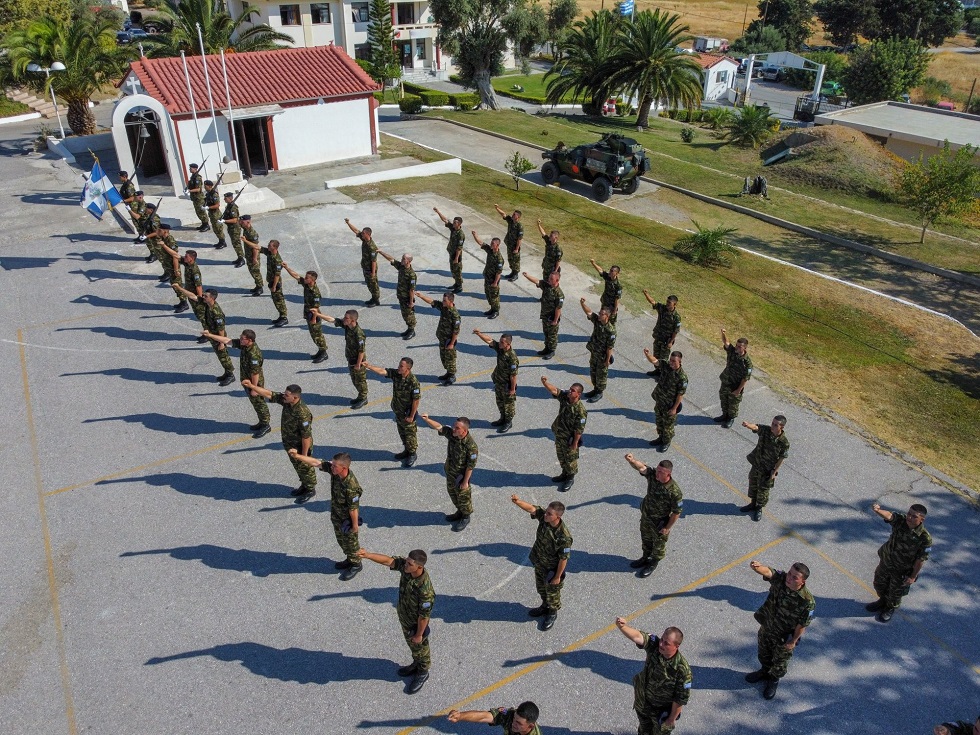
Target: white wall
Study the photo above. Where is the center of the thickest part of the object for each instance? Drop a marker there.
(215, 148)
(713, 89)
(318, 133)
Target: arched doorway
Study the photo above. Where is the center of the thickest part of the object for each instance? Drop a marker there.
(145, 144)
(141, 109)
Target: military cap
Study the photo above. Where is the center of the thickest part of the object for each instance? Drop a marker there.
(209, 183)
(246, 216)
(194, 165)
(228, 194)
(151, 205)
(124, 173)
(164, 226)
(139, 193)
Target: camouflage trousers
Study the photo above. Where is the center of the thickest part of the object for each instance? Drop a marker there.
(448, 356)
(550, 593)
(199, 312)
(199, 210)
(408, 313)
(254, 268)
(278, 299)
(306, 474)
(729, 403)
(598, 371)
(223, 357)
(506, 403)
(772, 653)
(462, 499)
(371, 281)
(567, 457)
(493, 296)
(654, 542)
(760, 483)
(513, 259)
(173, 276)
(235, 235)
(154, 247)
(890, 586)
(421, 654)
(456, 269)
(316, 332)
(650, 716)
(665, 422)
(409, 434)
(260, 406)
(358, 376)
(550, 335)
(217, 226)
(661, 349)
(348, 540)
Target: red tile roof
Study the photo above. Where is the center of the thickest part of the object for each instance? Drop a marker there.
(254, 78)
(709, 60)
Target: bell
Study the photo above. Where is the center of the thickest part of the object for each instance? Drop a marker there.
(144, 133)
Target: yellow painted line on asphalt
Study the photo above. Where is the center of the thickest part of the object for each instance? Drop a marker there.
(530, 668)
(46, 537)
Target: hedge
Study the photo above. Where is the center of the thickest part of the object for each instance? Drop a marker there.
(464, 100)
(411, 104)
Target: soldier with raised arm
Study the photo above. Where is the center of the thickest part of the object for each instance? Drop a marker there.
(405, 395)
(311, 305)
(455, 248)
(663, 688)
(461, 458)
(552, 252)
(659, 511)
(513, 240)
(549, 555)
(568, 428)
(447, 332)
(405, 290)
(250, 239)
(250, 366)
(668, 396)
(612, 289)
(492, 272)
(552, 300)
(369, 263)
(600, 347)
(765, 460)
(738, 370)
(214, 322)
(355, 351)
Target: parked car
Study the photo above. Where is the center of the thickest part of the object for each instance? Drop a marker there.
(772, 73)
(137, 34)
(123, 37)
(831, 89)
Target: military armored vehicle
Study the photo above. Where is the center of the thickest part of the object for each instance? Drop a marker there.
(615, 162)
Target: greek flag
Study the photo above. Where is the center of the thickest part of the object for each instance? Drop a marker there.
(626, 7)
(99, 194)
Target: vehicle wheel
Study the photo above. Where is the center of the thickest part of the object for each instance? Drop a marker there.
(550, 173)
(632, 185)
(602, 189)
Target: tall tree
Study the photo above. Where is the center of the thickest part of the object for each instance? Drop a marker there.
(18, 13)
(885, 70)
(578, 74)
(759, 40)
(845, 20)
(929, 21)
(646, 64)
(943, 185)
(527, 26)
(561, 14)
(381, 37)
(218, 28)
(792, 18)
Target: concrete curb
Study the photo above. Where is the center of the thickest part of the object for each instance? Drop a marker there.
(450, 166)
(20, 118)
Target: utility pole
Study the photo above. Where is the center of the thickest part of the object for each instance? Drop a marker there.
(970, 98)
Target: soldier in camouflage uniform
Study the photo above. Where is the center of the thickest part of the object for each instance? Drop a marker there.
(551, 263)
(663, 688)
(901, 558)
(150, 233)
(783, 617)
(447, 332)
(311, 313)
(612, 290)
(250, 239)
(552, 299)
(137, 213)
(345, 505)
(549, 555)
(661, 507)
(668, 397)
(194, 284)
(127, 192)
(170, 258)
(416, 598)
(666, 329)
(405, 290)
(492, 272)
(957, 728)
(461, 458)
(214, 322)
(769, 453)
(513, 240)
(355, 352)
(195, 188)
(568, 428)
(737, 372)
(405, 394)
(250, 366)
(297, 434)
(369, 263)
(504, 379)
(273, 276)
(600, 347)
(521, 720)
(213, 203)
(231, 220)
(455, 248)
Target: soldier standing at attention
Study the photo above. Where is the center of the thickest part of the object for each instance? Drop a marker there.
(461, 459)
(273, 276)
(250, 366)
(492, 272)
(504, 379)
(405, 290)
(661, 507)
(150, 232)
(455, 248)
(214, 322)
(600, 346)
(230, 218)
(127, 192)
(416, 598)
(520, 721)
(552, 252)
(192, 279)
(447, 332)
(769, 453)
(902, 557)
(513, 239)
(568, 428)
(957, 728)
(663, 688)
(213, 204)
(612, 290)
(783, 617)
(405, 394)
(738, 370)
(667, 397)
(549, 555)
(666, 329)
(345, 506)
(354, 351)
(552, 299)
(170, 258)
(137, 212)
(369, 263)
(297, 434)
(250, 238)
(194, 284)
(195, 187)
(311, 305)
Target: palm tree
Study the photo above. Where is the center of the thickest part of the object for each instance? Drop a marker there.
(646, 64)
(751, 127)
(217, 28)
(87, 47)
(708, 246)
(581, 54)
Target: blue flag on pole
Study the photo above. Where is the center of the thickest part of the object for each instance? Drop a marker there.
(99, 194)
(626, 7)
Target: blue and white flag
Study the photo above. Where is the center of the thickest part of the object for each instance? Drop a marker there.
(99, 194)
(626, 7)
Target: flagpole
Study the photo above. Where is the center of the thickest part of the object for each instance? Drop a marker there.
(197, 130)
(231, 115)
(207, 82)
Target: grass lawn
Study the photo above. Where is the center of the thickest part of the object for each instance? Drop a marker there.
(534, 85)
(9, 108)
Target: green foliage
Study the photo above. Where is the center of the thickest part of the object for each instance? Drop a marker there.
(561, 13)
(929, 21)
(802, 79)
(527, 26)
(792, 18)
(759, 40)
(974, 107)
(9, 108)
(933, 90)
(708, 246)
(381, 37)
(517, 165)
(885, 70)
(410, 104)
(18, 13)
(464, 100)
(218, 28)
(718, 117)
(944, 185)
(584, 49)
(434, 98)
(974, 26)
(751, 127)
(687, 135)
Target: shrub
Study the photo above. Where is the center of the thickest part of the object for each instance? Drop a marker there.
(708, 246)
(464, 100)
(751, 127)
(624, 109)
(455, 79)
(434, 98)
(694, 115)
(718, 117)
(410, 104)
(672, 114)
(687, 135)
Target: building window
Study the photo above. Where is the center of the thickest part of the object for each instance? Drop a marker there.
(289, 15)
(362, 51)
(420, 49)
(359, 12)
(320, 12)
(721, 77)
(406, 14)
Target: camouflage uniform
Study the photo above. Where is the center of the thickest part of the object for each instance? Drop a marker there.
(507, 365)
(666, 329)
(552, 257)
(778, 617)
(569, 422)
(214, 322)
(663, 499)
(515, 233)
(551, 545)
(612, 292)
(311, 300)
(297, 424)
(662, 682)
(671, 384)
(447, 327)
(416, 598)
(504, 718)
(551, 301)
(737, 368)
(170, 269)
(898, 555)
(273, 268)
(406, 286)
(455, 250)
(152, 224)
(252, 258)
(197, 182)
(345, 496)
(354, 345)
(491, 273)
(217, 226)
(461, 455)
(127, 189)
(603, 339)
(192, 280)
(137, 209)
(249, 363)
(234, 229)
(769, 450)
(404, 392)
(369, 256)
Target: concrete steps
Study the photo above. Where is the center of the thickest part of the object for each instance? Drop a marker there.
(38, 104)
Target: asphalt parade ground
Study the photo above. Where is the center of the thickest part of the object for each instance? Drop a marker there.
(158, 578)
